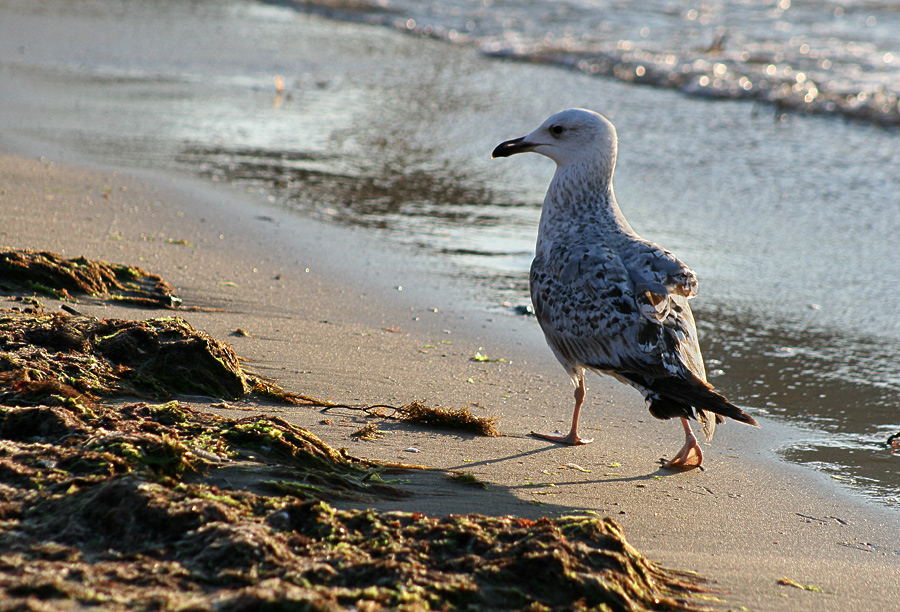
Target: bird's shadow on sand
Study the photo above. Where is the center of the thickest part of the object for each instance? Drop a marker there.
(660, 472)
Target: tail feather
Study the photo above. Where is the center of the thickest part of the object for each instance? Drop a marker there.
(677, 395)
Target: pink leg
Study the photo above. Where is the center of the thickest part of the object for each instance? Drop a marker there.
(690, 456)
(572, 437)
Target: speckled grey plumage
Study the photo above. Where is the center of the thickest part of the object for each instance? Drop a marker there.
(606, 299)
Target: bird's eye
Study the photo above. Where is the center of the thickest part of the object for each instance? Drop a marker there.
(557, 130)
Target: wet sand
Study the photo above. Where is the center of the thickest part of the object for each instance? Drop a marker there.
(326, 318)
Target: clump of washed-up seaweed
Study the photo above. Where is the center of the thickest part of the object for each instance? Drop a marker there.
(52, 275)
(48, 354)
(460, 419)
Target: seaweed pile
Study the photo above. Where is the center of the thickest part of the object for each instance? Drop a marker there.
(52, 275)
(118, 507)
(42, 354)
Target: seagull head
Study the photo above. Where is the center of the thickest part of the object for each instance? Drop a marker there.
(570, 137)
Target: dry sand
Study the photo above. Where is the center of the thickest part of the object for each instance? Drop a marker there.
(326, 318)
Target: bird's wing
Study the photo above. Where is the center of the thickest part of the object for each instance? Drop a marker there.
(595, 310)
(659, 278)
(662, 287)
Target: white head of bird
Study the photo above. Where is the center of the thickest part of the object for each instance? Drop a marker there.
(572, 137)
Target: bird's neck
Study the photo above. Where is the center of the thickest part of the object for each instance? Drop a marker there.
(580, 202)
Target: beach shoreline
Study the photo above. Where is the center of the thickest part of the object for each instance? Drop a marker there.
(344, 331)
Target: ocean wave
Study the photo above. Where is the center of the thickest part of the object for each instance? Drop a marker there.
(811, 57)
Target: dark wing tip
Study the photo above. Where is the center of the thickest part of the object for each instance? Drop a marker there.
(749, 420)
(733, 412)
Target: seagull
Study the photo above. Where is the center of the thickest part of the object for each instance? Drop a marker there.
(607, 300)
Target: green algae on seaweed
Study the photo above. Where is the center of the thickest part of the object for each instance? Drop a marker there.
(467, 479)
(261, 387)
(52, 275)
(88, 444)
(215, 545)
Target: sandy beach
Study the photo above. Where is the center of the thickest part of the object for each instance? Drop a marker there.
(326, 318)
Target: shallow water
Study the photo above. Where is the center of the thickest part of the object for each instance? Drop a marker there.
(789, 221)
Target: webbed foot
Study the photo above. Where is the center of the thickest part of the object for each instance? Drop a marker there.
(572, 439)
(688, 458)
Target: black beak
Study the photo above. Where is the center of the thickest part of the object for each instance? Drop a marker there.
(511, 147)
